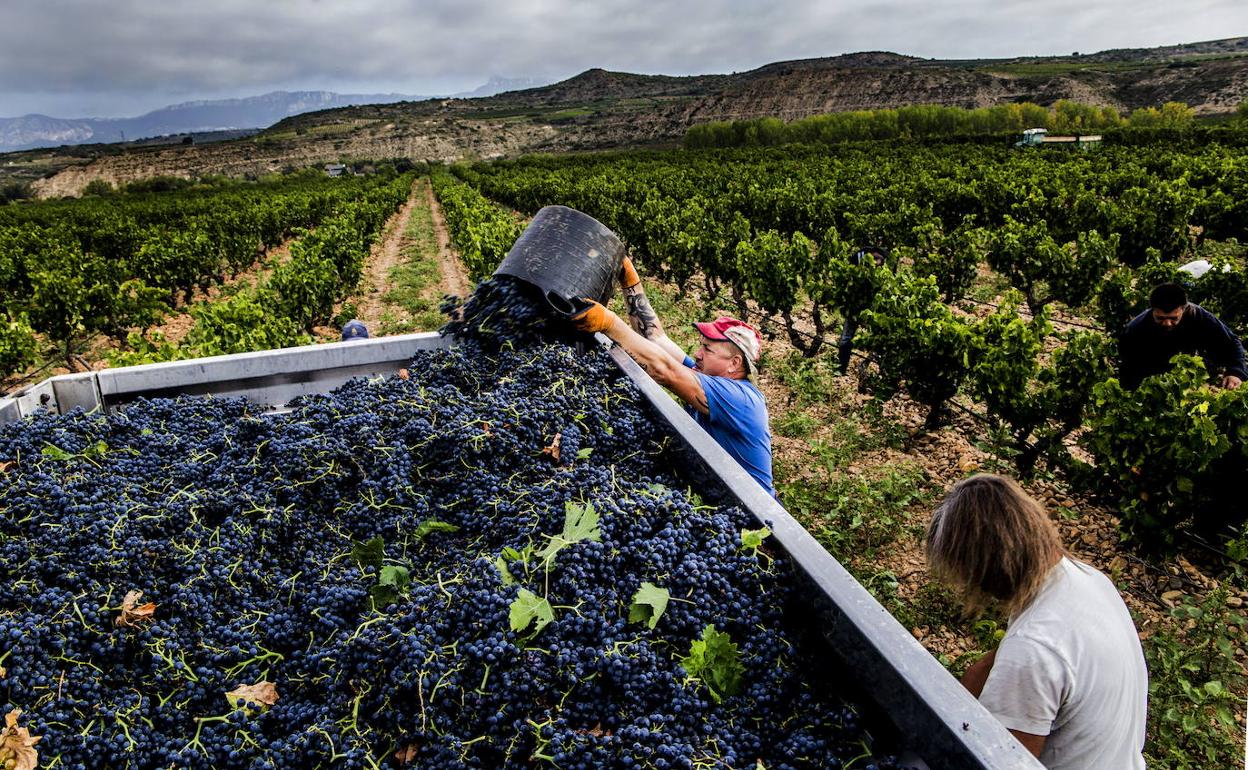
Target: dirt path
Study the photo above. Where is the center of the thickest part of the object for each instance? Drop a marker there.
(387, 253)
(454, 277)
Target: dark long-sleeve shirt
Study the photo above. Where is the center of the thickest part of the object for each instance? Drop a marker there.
(1146, 348)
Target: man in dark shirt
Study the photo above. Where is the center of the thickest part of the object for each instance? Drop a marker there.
(1172, 325)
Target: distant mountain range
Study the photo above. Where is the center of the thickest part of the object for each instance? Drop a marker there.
(255, 112)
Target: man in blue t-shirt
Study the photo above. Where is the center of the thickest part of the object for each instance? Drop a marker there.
(714, 384)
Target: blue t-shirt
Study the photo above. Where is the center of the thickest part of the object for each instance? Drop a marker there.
(738, 423)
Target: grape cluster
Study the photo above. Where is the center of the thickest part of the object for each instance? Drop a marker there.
(248, 533)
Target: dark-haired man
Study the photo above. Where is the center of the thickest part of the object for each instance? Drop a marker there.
(1172, 325)
(714, 383)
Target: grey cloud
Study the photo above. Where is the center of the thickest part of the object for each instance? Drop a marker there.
(136, 49)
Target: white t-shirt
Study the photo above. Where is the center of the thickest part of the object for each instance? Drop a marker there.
(1071, 667)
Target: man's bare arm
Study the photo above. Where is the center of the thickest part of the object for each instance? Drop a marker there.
(644, 321)
(977, 673)
(1033, 743)
(659, 364)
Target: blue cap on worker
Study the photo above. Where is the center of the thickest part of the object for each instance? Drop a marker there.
(354, 330)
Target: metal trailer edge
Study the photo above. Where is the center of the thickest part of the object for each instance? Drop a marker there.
(932, 714)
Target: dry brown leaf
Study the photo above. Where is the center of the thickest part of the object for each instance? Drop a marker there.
(404, 374)
(133, 613)
(553, 449)
(596, 731)
(4, 466)
(17, 745)
(262, 693)
(406, 755)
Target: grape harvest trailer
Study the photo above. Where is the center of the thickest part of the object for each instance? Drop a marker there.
(913, 704)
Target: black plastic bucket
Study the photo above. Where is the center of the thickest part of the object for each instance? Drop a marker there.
(568, 255)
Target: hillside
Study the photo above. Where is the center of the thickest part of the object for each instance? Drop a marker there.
(600, 109)
(206, 117)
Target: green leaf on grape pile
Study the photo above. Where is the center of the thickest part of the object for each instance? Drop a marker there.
(580, 522)
(649, 604)
(53, 452)
(429, 526)
(752, 539)
(716, 662)
(528, 609)
(369, 554)
(392, 582)
(503, 572)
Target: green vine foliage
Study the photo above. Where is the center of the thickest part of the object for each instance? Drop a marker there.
(240, 324)
(17, 344)
(917, 342)
(1176, 448)
(483, 232)
(1193, 679)
(1046, 271)
(1155, 216)
(1039, 397)
(133, 306)
(1223, 291)
(846, 285)
(952, 258)
(771, 267)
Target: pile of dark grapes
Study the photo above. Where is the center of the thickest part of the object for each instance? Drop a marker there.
(365, 553)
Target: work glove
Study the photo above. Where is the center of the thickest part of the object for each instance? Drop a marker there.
(594, 318)
(628, 275)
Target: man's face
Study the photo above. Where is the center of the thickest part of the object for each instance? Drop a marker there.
(717, 358)
(1168, 319)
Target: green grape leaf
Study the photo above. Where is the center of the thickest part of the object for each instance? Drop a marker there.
(584, 454)
(392, 582)
(715, 660)
(369, 554)
(752, 539)
(649, 604)
(429, 526)
(503, 572)
(395, 576)
(580, 522)
(54, 452)
(528, 608)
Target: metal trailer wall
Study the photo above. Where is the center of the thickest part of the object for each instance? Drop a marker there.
(930, 712)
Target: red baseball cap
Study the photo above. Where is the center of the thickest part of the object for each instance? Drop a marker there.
(739, 333)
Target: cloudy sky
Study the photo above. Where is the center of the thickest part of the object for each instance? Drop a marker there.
(113, 58)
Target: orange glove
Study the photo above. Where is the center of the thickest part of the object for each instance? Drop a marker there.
(595, 318)
(628, 275)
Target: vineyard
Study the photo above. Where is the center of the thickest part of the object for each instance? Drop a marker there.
(465, 523)
(116, 266)
(1078, 239)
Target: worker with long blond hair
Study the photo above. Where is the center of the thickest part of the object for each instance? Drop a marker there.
(1068, 679)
